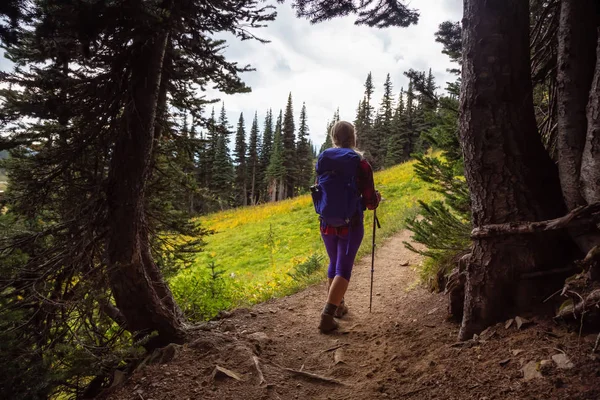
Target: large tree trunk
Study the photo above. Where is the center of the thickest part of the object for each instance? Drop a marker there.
(510, 175)
(576, 55)
(576, 60)
(590, 163)
(140, 293)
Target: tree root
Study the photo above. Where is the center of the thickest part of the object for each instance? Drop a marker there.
(579, 216)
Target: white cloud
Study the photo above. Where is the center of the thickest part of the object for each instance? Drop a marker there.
(325, 65)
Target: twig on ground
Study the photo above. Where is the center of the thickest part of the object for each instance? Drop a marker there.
(596, 345)
(553, 294)
(314, 376)
(258, 370)
(334, 348)
(309, 375)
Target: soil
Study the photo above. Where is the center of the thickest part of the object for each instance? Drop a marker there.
(406, 348)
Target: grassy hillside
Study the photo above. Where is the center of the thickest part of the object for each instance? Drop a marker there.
(255, 249)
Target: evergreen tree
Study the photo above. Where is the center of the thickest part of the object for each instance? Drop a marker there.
(397, 139)
(275, 174)
(207, 155)
(383, 127)
(449, 35)
(253, 160)
(241, 167)
(328, 143)
(288, 142)
(412, 134)
(96, 91)
(304, 156)
(222, 168)
(364, 121)
(265, 154)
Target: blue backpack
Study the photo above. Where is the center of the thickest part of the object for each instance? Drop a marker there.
(335, 196)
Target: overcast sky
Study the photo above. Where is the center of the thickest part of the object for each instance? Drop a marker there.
(325, 65)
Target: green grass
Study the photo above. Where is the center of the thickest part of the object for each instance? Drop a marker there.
(256, 248)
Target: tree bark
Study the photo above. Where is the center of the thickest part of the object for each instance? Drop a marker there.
(576, 56)
(140, 293)
(590, 162)
(510, 176)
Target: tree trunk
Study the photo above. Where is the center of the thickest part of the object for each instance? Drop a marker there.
(282, 195)
(140, 293)
(273, 190)
(590, 163)
(576, 55)
(510, 175)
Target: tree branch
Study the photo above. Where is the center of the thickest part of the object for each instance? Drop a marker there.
(580, 215)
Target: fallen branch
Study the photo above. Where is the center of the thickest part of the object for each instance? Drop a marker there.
(258, 370)
(309, 375)
(314, 376)
(580, 215)
(334, 348)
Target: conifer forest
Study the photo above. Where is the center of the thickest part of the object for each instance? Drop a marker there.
(153, 246)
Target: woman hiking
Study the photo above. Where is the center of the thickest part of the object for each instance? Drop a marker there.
(343, 191)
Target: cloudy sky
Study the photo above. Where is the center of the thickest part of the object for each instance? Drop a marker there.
(325, 65)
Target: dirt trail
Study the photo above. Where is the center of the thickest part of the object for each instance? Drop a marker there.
(404, 349)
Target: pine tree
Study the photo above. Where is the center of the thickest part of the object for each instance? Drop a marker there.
(97, 92)
(275, 175)
(265, 155)
(328, 143)
(304, 156)
(289, 150)
(222, 167)
(207, 155)
(396, 141)
(365, 119)
(241, 167)
(449, 34)
(253, 160)
(412, 134)
(383, 127)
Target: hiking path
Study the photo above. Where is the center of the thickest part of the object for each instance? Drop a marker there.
(404, 349)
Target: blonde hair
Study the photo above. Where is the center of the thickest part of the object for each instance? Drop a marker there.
(343, 135)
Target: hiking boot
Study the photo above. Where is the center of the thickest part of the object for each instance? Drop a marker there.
(341, 310)
(327, 324)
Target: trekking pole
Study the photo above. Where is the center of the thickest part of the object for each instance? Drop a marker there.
(375, 226)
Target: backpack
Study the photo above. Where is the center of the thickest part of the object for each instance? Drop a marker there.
(335, 196)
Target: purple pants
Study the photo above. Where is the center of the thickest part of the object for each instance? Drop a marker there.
(342, 250)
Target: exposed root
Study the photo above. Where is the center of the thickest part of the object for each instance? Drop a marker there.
(579, 216)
